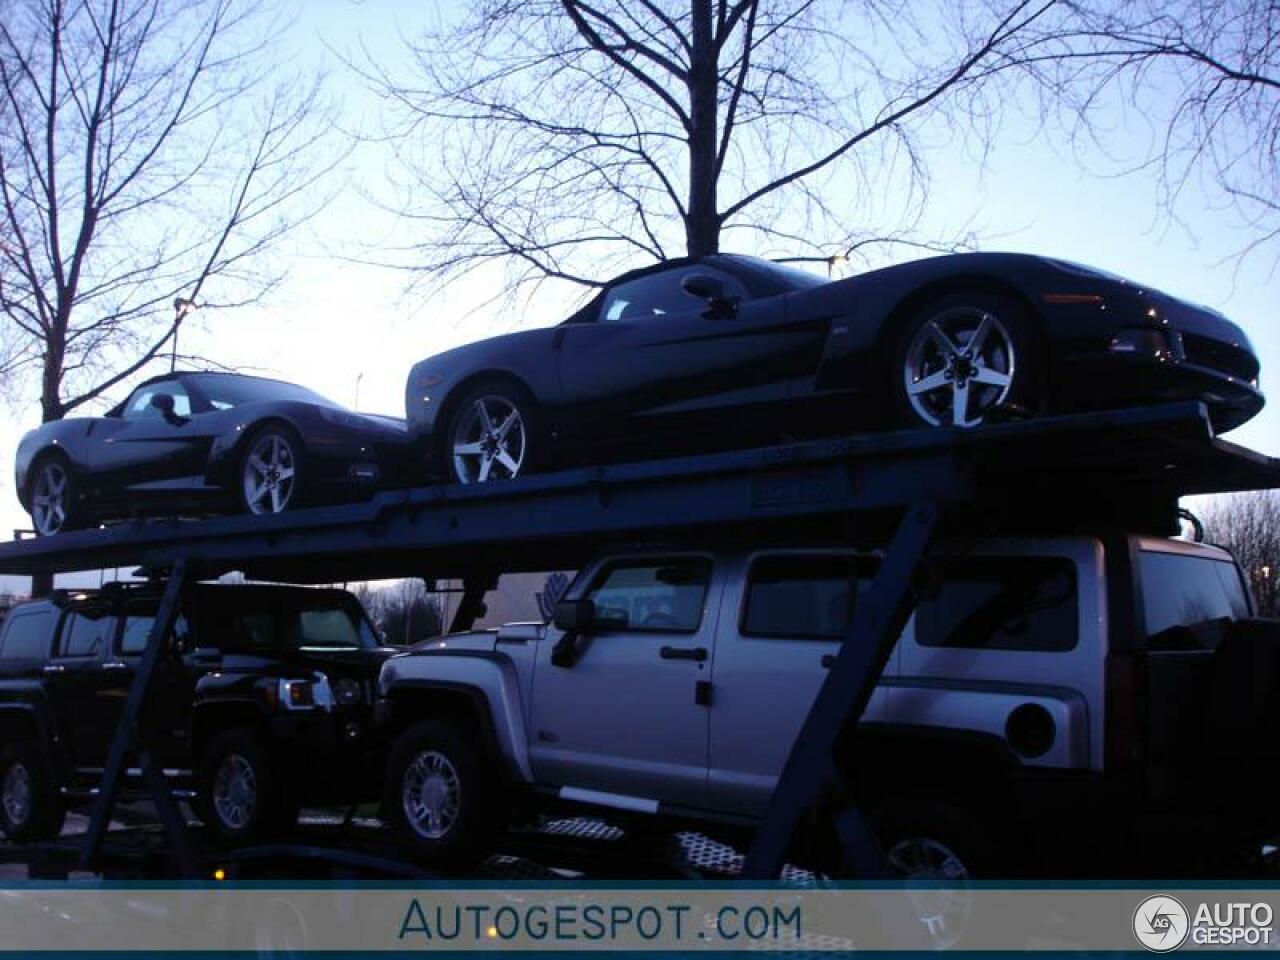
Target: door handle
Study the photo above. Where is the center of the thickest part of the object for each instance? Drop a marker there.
(114, 665)
(683, 653)
(53, 668)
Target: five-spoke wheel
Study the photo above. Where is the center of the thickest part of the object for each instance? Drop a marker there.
(271, 471)
(491, 434)
(965, 357)
(51, 497)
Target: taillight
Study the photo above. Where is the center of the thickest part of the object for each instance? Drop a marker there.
(1126, 706)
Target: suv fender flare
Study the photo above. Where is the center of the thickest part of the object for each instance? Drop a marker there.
(38, 715)
(487, 679)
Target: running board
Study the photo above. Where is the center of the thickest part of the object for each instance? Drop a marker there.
(618, 801)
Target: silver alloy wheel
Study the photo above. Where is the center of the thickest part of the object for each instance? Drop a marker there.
(49, 498)
(15, 794)
(431, 794)
(958, 366)
(489, 441)
(270, 474)
(235, 791)
(944, 906)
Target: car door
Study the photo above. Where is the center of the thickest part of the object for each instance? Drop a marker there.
(654, 353)
(792, 610)
(624, 722)
(76, 679)
(140, 447)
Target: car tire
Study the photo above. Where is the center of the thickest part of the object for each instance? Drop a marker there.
(271, 472)
(441, 794)
(240, 799)
(48, 471)
(31, 809)
(939, 380)
(944, 845)
(480, 450)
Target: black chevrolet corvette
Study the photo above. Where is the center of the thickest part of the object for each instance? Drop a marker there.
(205, 442)
(728, 350)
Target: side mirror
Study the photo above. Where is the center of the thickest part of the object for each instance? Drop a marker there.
(206, 655)
(575, 616)
(703, 286)
(165, 404)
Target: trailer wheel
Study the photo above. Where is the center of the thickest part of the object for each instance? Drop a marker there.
(239, 798)
(30, 806)
(440, 795)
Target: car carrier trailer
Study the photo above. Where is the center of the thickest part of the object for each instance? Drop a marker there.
(896, 491)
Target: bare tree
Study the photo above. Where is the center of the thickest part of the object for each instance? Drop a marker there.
(1202, 77)
(144, 160)
(564, 137)
(1248, 524)
(405, 613)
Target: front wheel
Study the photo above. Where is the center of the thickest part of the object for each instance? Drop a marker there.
(52, 495)
(238, 796)
(271, 471)
(440, 796)
(966, 358)
(30, 806)
(492, 435)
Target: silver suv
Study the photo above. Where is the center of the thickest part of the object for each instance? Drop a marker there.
(1045, 708)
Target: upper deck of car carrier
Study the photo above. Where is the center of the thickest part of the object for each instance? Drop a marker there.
(900, 491)
(1125, 466)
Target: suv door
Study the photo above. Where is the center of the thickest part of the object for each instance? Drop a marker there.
(76, 682)
(172, 688)
(625, 718)
(793, 610)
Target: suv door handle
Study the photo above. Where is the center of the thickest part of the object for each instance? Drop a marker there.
(53, 668)
(114, 665)
(683, 653)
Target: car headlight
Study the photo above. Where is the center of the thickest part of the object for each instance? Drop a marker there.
(342, 418)
(347, 692)
(310, 694)
(1140, 342)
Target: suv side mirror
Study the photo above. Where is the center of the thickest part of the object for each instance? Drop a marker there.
(575, 616)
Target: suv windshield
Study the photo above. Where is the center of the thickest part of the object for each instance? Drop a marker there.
(329, 628)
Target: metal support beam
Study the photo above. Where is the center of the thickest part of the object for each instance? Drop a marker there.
(877, 621)
(130, 736)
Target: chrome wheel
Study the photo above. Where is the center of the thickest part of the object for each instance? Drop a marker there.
(270, 474)
(431, 794)
(15, 794)
(50, 498)
(489, 441)
(944, 909)
(959, 365)
(235, 791)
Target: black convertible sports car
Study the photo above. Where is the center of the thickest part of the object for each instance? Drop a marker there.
(205, 442)
(729, 350)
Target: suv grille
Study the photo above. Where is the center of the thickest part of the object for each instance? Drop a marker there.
(1220, 356)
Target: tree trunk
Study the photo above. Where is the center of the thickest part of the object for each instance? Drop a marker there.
(702, 219)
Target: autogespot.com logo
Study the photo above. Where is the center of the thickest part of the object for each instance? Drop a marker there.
(1161, 923)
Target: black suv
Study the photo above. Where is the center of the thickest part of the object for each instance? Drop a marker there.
(262, 703)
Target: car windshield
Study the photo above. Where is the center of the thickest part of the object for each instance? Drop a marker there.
(330, 628)
(778, 274)
(227, 390)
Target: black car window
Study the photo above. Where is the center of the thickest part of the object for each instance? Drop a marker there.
(656, 596)
(137, 629)
(139, 405)
(27, 636)
(803, 596)
(86, 633)
(1182, 590)
(330, 628)
(1023, 603)
(659, 294)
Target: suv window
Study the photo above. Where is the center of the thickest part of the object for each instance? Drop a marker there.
(1015, 603)
(802, 597)
(86, 633)
(27, 636)
(331, 628)
(1181, 589)
(137, 628)
(657, 596)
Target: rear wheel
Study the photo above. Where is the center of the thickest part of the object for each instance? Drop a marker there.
(493, 435)
(967, 357)
(30, 806)
(52, 495)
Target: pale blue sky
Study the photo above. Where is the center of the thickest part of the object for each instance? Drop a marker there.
(336, 320)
